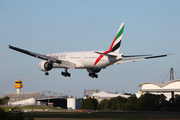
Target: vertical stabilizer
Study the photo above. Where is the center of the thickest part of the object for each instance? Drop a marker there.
(115, 46)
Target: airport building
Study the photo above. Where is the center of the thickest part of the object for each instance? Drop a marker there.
(101, 95)
(73, 103)
(41, 98)
(169, 89)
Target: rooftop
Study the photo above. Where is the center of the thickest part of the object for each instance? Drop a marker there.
(160, 84)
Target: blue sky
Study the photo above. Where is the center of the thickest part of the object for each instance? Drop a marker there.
(151, 27)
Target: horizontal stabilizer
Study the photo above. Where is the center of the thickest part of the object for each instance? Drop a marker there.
(157, 56)
(136, 59)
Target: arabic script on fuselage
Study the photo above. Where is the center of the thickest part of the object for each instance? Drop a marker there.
(62, 56)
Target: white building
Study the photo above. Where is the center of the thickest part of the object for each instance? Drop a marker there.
(169, 89)
(29, 101)
(73, 103)
(105, 95)
(100, 95)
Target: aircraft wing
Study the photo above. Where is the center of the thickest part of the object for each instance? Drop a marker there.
(44, 57)
(136, 59)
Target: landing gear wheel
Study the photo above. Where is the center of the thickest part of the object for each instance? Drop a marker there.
(65, 74)
(68, 74)
(46, 73)
(90, 75)
(96, 76)
(62, 73)
(93, 75)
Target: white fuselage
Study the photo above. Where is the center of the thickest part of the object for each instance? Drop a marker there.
(84, 59)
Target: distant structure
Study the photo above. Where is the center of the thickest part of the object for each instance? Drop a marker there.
(18, 84)
(41, 98)
(101, 95)
(169, 89)
(107, 95)
(73, 103)
(171, 74)
(88, 93)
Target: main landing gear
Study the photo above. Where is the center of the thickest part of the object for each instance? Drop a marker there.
(65, 74)
(46, 73)
(93, 75)
(93, 71)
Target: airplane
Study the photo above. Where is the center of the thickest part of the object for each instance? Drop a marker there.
(92, 61)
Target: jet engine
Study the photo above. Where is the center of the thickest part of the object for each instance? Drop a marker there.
(45, 66)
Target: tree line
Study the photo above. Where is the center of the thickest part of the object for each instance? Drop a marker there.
(147, 102)
(4, 101)
(14, 114)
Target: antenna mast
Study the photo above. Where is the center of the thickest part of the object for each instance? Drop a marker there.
(171, 74)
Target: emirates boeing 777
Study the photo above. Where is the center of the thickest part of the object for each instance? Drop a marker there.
(92, 61)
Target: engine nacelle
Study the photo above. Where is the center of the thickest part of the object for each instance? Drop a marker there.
(45, 66)
(93, 70)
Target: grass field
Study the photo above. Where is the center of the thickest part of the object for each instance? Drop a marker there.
(120, 115)
(106, 115)
(30, 107)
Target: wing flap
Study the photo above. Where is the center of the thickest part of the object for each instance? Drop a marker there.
(128, 60)
(67, 64)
